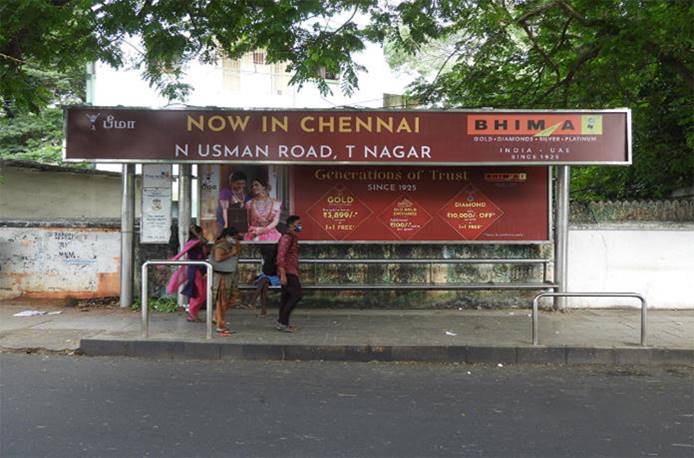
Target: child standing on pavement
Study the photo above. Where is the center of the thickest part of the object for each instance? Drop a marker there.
(225, 286)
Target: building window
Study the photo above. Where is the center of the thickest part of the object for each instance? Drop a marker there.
(280, 79)
(327, 74)
(259, 57)
(231, 74)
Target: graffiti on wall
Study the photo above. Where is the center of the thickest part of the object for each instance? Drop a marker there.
(59, 262)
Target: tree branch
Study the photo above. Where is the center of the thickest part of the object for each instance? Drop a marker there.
(588, 54)
(581, 18)
(670, 61)
(562, 38)
(538, 48)
(13, 59)
(354, 13)
(539, 10)
(445, 62)
(679, 67)
(144, 10)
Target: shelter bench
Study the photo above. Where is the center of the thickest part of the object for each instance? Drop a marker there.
(543, 285)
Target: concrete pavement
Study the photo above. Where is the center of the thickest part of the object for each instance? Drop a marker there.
(578, 336)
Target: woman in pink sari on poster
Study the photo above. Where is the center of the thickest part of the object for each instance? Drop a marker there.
(263, 214)
(191, 277)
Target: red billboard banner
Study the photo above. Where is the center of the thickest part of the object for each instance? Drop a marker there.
(436, 204)
(487, 137)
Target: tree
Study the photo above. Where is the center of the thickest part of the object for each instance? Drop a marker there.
(498, 53)
(570, 54)
(25, 135)
(45, 46)
(63, 35)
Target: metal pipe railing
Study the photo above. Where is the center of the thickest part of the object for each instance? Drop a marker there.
(166, 262)
(644, 308)
(419, 287)
(410, 261)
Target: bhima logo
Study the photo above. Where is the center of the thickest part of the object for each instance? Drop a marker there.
(536, 125)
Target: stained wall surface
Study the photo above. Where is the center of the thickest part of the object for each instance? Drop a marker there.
(59, 262)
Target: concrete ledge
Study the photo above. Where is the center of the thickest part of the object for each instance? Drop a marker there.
(506, 355)
(541, 355)
(440, 354)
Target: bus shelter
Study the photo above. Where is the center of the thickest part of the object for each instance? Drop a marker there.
(360, 176)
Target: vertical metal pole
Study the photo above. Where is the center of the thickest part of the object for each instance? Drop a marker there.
(184, 210)
(90, 88)
(644, 308)
(196, 212)
(278, 178)
(561, 236)
(145, 302)
(126, 235)
(184, 202)
(208, 318)
(536, 334)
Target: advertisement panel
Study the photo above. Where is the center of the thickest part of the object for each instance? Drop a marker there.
(385, 137)
(209, 178)
(435, 204)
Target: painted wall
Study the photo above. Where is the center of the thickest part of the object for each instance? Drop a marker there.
(654, 259)
(59, 262)
(46, 193)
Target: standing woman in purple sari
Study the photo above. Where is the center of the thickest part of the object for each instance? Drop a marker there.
(191, 277)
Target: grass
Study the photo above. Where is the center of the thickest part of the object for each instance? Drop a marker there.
(158, 304)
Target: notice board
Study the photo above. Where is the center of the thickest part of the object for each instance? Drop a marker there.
(155, 223)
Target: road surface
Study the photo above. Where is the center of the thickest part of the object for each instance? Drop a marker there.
(61, 406)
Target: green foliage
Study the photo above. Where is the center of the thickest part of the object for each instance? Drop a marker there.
(67, 34)
(479, 53)
(31, 136)
(38, 136)
(567, 54)
(158, 304)
(45, 43)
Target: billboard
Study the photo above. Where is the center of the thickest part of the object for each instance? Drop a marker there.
(433, 204)
(373, 137)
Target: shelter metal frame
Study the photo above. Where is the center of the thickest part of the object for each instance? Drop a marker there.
(559, 236)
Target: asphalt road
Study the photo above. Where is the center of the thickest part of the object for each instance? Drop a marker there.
(61, 406)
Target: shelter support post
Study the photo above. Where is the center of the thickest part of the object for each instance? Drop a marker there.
(126, 235)
(184, 209)
(561, 235)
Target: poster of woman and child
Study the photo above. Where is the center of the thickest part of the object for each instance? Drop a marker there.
(234, 207)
